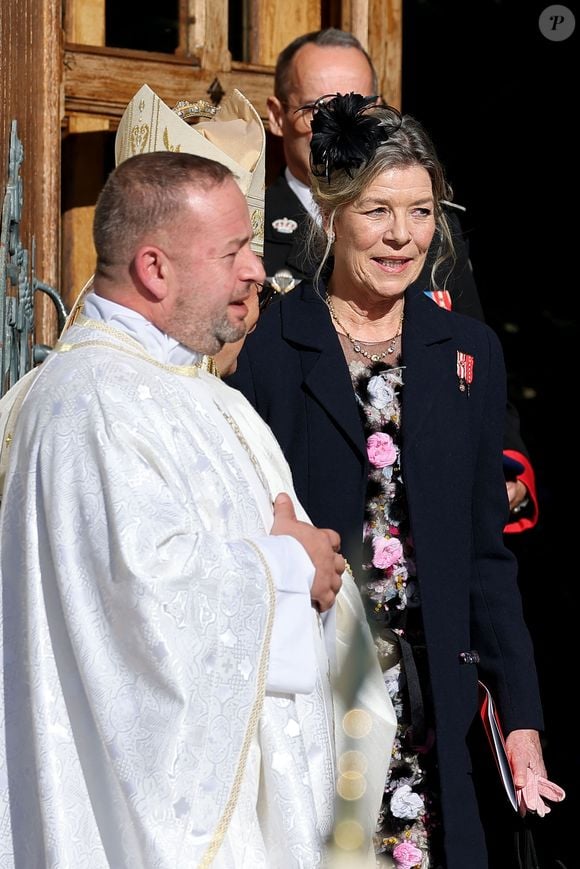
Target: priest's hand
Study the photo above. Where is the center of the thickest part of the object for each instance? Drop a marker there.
(322, 546)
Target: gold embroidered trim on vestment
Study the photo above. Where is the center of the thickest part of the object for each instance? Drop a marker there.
(127, 345)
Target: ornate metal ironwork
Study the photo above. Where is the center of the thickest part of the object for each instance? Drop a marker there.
(18, 283)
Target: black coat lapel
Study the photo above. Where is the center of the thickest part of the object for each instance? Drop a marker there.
(282, 202)
(286, 249)
(426, 332)
(307, 326)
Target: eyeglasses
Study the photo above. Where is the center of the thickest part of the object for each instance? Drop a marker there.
(278, 284)
(303, 114)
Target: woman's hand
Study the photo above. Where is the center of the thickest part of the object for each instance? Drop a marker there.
(524, 752)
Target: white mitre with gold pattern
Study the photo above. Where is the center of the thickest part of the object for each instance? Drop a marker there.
(231, 134)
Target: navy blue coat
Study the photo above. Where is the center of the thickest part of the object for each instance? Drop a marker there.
(293, 370)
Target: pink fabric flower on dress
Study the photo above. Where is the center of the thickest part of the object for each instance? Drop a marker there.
(386, 552)
(407, 855)
(381, 450)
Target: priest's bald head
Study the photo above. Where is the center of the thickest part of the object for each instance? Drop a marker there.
(172, 234)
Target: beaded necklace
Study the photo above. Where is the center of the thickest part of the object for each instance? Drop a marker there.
(356, 343)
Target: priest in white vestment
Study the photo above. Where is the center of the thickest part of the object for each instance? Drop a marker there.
(166, 676)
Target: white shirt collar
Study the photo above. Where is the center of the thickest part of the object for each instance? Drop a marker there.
(304, 194)
(156, 343)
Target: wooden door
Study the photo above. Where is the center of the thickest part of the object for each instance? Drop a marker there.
(30, 81)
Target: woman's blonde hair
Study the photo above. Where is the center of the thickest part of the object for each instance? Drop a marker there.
(396, 142)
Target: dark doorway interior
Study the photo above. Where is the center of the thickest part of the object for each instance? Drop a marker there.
(498, 99)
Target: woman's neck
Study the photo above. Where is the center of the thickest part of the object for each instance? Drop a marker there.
(366, 319)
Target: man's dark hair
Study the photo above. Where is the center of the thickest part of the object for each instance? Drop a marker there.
(144, 193)
(331, 36)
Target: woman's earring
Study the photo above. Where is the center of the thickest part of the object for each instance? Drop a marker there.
(330, 236)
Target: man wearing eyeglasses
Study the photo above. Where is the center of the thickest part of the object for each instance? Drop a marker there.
(311, 66)
(328, 62)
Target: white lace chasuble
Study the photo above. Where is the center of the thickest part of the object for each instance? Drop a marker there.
(138, 605)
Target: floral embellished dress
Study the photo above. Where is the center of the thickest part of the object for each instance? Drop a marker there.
(409, 829)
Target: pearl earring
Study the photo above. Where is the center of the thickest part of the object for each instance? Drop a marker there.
(330, 236)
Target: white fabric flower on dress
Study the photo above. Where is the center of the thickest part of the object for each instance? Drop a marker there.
(406, 804)
(381, 389)
(380, 392)
(392, 678)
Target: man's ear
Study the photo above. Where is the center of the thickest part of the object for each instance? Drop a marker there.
(152, 270)
(275, 115)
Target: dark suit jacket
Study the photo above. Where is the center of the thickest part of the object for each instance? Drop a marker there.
(285, 250)
(288, 250)
(294, 372)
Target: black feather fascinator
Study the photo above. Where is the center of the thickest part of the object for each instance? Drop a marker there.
(344, 135)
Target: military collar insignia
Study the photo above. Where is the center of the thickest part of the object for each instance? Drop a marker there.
(285, 225)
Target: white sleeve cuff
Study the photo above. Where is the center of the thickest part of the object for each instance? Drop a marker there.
(292, 668)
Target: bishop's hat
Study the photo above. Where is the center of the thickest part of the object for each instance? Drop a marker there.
(231, 133)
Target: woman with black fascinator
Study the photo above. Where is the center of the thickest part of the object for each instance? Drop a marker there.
(390, 411)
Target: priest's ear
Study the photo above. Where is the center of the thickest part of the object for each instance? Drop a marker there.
(150, 270)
